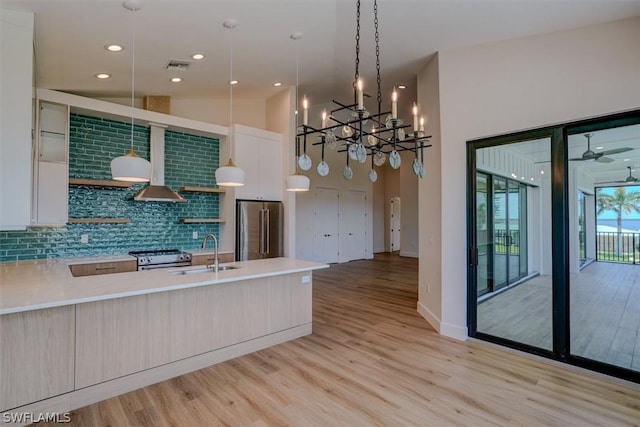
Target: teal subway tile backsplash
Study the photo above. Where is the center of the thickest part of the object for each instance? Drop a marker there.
(190, 160)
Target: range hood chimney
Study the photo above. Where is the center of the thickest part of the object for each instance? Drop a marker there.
(157, 191)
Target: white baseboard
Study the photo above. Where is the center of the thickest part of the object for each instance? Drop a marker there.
(446, 329)
(454, 331)
(409, 254)
(429, 316)
(102, 391)
(378, 250)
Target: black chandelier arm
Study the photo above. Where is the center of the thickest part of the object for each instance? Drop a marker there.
(373, 150)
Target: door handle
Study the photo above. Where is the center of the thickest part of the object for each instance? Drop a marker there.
(267, 245)
(350, 234)
(261, 232)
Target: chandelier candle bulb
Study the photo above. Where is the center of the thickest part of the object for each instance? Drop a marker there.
(324, 119)
(394, 104)
(305, 111)
(360, 95)
(421, 124)
(415, 117)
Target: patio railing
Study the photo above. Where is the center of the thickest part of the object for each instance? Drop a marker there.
(618, 247)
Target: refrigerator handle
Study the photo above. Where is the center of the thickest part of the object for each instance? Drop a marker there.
(261, 231)
(267, 245)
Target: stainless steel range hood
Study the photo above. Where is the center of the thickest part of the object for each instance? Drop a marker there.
(157, 191)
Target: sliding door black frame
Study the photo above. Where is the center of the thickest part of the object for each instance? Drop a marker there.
(560, 237)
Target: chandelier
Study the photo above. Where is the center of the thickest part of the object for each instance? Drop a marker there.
(381, 135)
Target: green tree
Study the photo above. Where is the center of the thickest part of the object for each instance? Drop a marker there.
(621, 203)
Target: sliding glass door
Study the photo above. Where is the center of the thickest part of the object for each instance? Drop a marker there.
(554, 242)
(513, 285)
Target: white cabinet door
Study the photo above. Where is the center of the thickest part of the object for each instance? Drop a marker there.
(259, 154)
(356, 224)
(271, 169)
(247, 157)
(53, 194)
(325, 225)
(51, 166)
(16, 112)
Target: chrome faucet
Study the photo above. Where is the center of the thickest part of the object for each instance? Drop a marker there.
(204, 246)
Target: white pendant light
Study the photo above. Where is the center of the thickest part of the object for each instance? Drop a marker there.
(130, 167)
(230, 175)
(297, 182)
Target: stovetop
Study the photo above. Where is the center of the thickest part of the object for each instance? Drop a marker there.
(162, 257)
(152, 252)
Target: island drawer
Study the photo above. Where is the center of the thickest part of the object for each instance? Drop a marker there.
(78, 270)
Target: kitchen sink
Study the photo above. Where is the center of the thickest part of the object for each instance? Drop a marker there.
(191, 270)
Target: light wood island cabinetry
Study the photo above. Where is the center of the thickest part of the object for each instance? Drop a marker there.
(70, 341)
(36, 360)
(161, 328)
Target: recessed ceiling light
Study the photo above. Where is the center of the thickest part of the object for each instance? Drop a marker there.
(277, 84)
(402, 87)
(541, 172)
(103, 76)
(176, 79)
(233, 82)
(113, 47)
(599, 148)
(197, 56)
(626, 160)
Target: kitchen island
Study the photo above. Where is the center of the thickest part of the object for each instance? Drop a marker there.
(71, 341)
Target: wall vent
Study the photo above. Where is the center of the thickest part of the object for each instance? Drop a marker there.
(175, 64)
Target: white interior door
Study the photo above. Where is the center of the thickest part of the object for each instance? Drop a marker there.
(356, 224)
(325, 225)
(395, 224)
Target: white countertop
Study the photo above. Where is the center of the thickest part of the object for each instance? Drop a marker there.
(33, 285)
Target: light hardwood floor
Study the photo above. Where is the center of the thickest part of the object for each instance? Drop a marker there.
(605, 313)
(372, 360)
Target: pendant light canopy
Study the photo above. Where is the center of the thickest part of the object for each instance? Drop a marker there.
(297, 182)
(130, 167)
(230, 175)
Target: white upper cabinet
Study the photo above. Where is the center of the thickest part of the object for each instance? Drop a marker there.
(259, 154)
(16, 118)
(51, 166)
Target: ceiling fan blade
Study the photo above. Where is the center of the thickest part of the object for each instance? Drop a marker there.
(617, 150)
(578, 159)
(605, 160)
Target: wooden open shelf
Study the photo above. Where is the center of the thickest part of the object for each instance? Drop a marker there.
(200, 220)
(99, 183)
(99, 220)
(187, 189)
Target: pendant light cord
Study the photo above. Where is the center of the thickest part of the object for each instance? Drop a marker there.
(297, 80)
(230, 77)
(133, 70)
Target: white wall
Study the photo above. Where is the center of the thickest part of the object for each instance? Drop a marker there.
(16, 88)
(279, 118)
(505, 87)
(409, 223)
(430, 200)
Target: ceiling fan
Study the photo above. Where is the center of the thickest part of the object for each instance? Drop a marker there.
(628, 180)
(599, 157)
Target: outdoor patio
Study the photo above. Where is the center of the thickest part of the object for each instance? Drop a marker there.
(605, 313)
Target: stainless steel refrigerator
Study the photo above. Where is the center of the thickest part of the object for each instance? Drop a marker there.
(259, 230)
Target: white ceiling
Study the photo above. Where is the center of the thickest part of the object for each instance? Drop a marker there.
(538, 151)
(70, 36)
